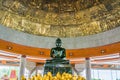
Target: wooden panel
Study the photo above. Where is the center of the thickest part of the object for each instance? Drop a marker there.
(24, 50)
(95, 51)
(70, 53)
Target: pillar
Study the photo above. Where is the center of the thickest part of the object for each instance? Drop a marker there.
(22, 66)
(88, 69)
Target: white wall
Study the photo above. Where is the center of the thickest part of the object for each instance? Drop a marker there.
(100, 39)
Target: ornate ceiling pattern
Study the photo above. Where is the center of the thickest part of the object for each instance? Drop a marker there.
(60, 18)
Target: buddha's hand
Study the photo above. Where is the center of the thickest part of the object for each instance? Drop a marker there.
(54, 55)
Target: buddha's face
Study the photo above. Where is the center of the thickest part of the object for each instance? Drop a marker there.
(58, 44)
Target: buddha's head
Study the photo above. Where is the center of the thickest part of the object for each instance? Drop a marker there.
(58, 42)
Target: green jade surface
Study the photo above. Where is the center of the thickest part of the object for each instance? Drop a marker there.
(58, 63)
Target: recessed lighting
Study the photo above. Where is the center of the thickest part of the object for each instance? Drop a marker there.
(41, 53)
(9, 47)
(70, 54)
(103, 51)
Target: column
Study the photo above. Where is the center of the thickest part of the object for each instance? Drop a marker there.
(88, 69)
(36, 72)
(22, 66)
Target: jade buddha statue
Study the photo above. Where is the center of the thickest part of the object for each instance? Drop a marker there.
(58, 63)
(58, 52)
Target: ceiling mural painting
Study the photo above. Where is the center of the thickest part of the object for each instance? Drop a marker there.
(60, 18)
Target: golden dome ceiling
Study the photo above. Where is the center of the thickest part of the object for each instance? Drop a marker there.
(60, 18)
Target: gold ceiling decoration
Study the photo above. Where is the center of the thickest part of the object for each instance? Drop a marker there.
(60, 18)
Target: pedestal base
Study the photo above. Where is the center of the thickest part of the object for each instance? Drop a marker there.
(57, 65)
